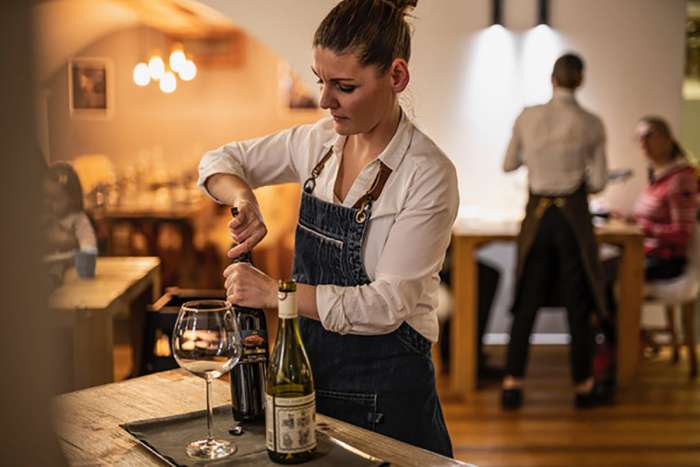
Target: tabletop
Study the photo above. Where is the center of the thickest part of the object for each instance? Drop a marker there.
(114, 278)
(508, 229)
(87, 422)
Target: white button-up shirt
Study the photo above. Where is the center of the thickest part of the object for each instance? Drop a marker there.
(561, 144)
(409, 228)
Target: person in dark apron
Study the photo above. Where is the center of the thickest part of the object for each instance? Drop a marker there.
(378, 202)
(562, 146)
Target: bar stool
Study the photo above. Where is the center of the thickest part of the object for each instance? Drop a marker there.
(680, 292)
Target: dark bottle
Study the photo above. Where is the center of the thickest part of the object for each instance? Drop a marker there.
(249, 376)
(290, 419)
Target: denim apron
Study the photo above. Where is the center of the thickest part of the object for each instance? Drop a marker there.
(383, 383)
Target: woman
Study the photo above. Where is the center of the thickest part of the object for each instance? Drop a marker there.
(68, 226)
(666, 210)
(378, 203)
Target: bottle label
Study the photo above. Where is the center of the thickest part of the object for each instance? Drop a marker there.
(290, 423)
(287, 304)
(254, 344)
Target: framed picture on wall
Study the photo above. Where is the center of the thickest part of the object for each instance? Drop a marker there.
(90, 88)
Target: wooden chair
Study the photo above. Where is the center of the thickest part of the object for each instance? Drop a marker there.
(679, 292)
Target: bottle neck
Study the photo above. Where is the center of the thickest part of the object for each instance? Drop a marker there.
(288, 330)
(243, 258)
(287, 305)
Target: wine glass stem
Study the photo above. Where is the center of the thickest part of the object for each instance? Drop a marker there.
(210, 412)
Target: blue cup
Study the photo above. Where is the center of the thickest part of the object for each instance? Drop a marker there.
(85, 261)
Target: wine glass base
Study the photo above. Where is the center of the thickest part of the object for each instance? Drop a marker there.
(210, 449)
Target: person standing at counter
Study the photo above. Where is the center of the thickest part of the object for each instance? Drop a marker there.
(563, 147)
(378, 203)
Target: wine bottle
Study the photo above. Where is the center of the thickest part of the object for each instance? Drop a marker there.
(248, 377)
(290, 415)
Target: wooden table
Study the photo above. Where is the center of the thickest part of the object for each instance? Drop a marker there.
(88, 422)
(466, 239)
(86, 308)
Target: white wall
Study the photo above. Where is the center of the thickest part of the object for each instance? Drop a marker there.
(636, 54)
(468, 86)
(63, 27)
(469, 83)
(172, 131)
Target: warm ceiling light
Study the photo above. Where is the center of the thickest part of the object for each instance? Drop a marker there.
(188, 71)
(168, 83)
(177, 60)
(156, 67)
(142, 75)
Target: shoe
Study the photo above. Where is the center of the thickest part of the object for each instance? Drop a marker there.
(511, 399)
(599, 395)
(604, 392)
(585, 400)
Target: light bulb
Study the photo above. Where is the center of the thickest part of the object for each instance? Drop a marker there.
(142, 75)
(156, 67)
(168, 83)
(188, 71)
(177, 59)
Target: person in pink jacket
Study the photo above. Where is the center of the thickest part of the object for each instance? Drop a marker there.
(667, 208)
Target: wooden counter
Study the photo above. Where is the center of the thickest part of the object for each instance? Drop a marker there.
(88, 422)
(86, 308)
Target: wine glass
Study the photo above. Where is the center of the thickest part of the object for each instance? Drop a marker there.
(207, 343)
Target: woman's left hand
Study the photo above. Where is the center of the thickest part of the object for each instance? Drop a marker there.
(249, 287)
(59, 238)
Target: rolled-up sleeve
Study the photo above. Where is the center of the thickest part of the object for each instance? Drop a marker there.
(597, 167)
(406, 277)
(268, 160)
(513, 158)
(84, 232)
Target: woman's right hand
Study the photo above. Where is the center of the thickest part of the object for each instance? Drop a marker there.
(247, 228)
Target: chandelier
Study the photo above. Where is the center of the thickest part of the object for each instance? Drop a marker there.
(156, 70)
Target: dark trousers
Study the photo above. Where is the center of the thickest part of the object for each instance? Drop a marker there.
(663, 268)
(553, 265)
(488, 284)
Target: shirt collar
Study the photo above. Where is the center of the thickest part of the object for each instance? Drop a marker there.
(393, 153)
(560, 94)
(336, 143)
(668, 169)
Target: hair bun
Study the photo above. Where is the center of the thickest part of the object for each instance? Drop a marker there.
(403, 5)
